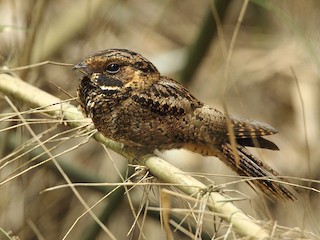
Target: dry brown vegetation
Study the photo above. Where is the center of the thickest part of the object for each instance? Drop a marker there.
(262, 62)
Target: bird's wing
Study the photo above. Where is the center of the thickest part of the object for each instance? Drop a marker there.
(167, 97)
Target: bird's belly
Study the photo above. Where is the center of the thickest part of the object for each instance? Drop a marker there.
(136, 127)
(142, 130)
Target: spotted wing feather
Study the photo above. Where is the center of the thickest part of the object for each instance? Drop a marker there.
(250, 133)
(167, 97)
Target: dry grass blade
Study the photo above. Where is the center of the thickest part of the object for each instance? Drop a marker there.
(64, 176)
(165, 213)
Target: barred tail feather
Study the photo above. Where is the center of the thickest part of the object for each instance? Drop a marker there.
(250, 166)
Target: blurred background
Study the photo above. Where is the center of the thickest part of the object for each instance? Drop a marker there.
(259, 58)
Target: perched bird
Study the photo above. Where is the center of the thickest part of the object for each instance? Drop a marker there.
(130, 102)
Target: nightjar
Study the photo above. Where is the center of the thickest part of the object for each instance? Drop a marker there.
(130, 102)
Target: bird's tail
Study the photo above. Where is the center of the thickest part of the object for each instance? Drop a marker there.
(263, 176)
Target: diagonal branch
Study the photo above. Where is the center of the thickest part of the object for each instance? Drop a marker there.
(164, 171)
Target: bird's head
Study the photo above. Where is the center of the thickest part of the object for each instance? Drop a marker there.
(114, 69)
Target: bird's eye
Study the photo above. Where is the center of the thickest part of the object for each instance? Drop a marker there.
(113, 68)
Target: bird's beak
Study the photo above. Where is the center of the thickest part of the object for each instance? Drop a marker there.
(81, 67)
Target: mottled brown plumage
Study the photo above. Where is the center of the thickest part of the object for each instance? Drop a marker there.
(130, 102)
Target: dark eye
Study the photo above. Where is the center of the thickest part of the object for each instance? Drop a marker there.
(113, 68)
